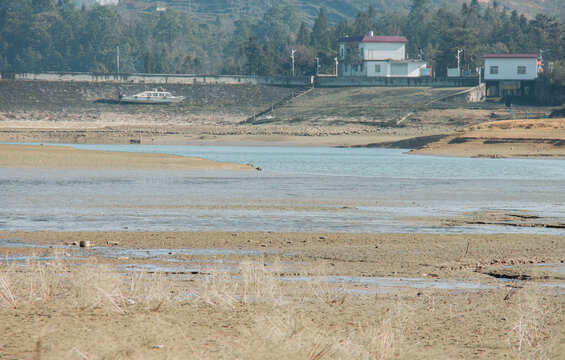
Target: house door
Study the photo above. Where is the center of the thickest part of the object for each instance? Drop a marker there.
(398, 69)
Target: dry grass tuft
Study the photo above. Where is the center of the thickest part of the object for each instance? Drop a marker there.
(529, 335)
(255, 283)
(87, 286)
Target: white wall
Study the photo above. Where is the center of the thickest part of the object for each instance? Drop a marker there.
(384, 51)
(412, 68)
(384, 67)
(508, 68)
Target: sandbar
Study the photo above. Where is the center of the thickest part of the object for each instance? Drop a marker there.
(61, 157)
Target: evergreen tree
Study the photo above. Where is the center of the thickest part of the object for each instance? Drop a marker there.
(303, 36)
(320, 38)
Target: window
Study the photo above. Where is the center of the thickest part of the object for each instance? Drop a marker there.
(377, 69)
(361, 67)
(521, 70)
(494, 70)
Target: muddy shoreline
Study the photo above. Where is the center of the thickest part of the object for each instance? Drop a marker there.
(268, 295)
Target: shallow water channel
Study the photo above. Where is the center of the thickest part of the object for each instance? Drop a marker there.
(205, 262)
(299, 189)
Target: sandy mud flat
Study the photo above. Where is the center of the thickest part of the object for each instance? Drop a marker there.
(280, 295)
(60, 157)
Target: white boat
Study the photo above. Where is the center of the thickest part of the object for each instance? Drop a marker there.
(152, 97)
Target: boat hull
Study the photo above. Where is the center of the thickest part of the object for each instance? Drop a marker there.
(149, 100)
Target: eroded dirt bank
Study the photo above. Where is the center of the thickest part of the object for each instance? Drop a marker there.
(503, 139)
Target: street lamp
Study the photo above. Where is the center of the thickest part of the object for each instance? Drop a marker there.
(336, 62)
(118, 60)
(458, 60)
(317, 65)
(292, 57)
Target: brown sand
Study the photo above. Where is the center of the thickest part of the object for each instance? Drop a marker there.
(507, 138)
(59, 157)
(65, 311)
(56, 309)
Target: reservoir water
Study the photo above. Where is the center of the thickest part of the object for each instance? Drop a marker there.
(299, 189)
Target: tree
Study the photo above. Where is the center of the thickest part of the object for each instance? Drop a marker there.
(320, 39)
(303, 36)
(100, 38)
(418, 26)
(363, 23)
(253, 56)
(278, 25)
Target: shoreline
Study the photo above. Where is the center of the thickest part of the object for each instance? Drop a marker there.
(542, 138)
(63, 157)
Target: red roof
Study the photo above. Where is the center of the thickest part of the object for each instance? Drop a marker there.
(375, 39)
(509, 56)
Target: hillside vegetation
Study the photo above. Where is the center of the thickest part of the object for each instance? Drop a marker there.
(257, 38)
(338, 10)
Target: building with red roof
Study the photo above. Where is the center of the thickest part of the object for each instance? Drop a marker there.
(377, 56)
(511, 66)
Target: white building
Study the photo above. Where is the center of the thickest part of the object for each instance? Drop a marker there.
(501, 67)
(377, 56)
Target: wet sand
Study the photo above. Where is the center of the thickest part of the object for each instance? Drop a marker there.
(283, 300)
(540, 138)
(273, 295)
(60, 157)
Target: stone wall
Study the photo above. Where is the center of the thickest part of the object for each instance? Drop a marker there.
(85, 96)
(168, 79)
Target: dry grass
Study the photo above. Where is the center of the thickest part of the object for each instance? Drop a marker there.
(529, 336)
(81, 287)
(251, 313)
(276, 324)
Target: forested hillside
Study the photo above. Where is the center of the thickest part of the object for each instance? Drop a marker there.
(337, 10)
(55, 35)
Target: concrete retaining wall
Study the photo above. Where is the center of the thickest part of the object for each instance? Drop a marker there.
(394, 81)
(168, 79)
(349, 81)
(472, 95)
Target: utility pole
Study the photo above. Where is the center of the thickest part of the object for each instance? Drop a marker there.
(458, 61)
(317, 65)
(292, 57)
(118, 60)
(336, 62)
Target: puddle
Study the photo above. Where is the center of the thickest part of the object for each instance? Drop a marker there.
(116, 252)
(198, 268)
(382, 282)
(554, 267)
(12, 243)
(152, 268)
